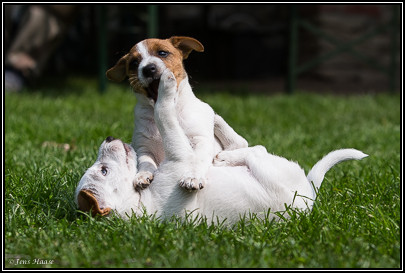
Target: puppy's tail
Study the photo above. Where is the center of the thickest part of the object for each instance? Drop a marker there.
(318, 171)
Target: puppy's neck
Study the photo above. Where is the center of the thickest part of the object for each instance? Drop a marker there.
(184, 89)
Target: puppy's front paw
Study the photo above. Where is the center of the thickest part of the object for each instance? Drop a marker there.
(168, 83)
(192, 184)
(143, 180)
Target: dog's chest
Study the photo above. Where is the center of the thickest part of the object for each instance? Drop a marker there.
(196, 120)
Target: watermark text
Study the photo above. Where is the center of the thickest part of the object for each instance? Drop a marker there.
(23, 261)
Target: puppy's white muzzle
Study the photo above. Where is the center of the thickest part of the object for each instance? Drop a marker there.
(150, 69)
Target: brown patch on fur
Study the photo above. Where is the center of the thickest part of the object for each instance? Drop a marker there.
(178, 48)
(132, 64)
(87, 202)
(173, 61)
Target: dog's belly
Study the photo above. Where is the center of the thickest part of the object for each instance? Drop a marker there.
(232, 192)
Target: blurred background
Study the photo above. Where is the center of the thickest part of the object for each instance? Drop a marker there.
(267, 47)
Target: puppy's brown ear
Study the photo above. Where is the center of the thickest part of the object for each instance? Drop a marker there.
(118, 72)
(186, 45)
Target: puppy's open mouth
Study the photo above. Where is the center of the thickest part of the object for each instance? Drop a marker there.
(152, 89)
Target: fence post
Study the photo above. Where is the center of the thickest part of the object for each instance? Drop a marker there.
(394, 43)
(292, 50)
(102, 47)
(153, 21)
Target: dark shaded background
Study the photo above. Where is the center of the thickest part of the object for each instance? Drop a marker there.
(245, 44)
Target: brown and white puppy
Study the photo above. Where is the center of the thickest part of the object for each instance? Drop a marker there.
(207, 132)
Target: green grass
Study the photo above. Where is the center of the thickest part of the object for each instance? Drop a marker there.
(355, 221)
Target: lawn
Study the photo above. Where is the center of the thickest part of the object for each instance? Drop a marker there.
(51, 136)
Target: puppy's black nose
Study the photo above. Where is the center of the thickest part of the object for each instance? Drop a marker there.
(149, 71)
(109, 139)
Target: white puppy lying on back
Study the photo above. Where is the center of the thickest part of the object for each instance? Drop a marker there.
(247, 180)
(207, 132)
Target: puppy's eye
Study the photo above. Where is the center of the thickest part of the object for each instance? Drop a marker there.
(163, 53)
(133, 64)
(104, 171)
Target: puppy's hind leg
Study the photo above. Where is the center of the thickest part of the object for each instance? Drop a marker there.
(229, 139)
(271, 171)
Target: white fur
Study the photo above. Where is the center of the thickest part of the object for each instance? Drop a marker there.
(247, 180)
